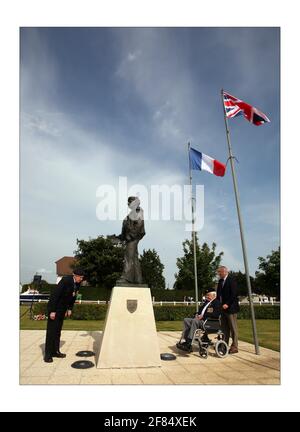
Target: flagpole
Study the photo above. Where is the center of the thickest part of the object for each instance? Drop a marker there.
(241, 229)
(193, 233)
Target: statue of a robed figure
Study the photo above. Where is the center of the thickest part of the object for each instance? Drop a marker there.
(129, 338)
(133, 230)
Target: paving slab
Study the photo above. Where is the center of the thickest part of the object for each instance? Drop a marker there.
(243, 368)
(125, 376)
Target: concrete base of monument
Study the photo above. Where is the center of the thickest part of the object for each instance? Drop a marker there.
(129, 336)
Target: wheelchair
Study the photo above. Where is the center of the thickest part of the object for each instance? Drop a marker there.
(211, 326)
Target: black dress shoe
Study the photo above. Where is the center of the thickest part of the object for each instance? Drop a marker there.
(59, 355)
(187, 347)
(48, 359)
(184, 346)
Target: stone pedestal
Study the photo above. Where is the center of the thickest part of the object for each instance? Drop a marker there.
(129, 337)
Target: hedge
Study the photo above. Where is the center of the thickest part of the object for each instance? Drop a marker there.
(261, 312)
(161, 313)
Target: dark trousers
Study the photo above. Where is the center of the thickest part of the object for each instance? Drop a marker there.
(229, 328)
(53, 333)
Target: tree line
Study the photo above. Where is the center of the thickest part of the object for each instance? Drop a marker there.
(102, 261)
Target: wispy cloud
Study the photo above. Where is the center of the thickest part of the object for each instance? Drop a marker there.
(134, 118)
(40, 123)
(132, 56)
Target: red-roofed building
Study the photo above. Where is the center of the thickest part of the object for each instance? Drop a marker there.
(64, 266)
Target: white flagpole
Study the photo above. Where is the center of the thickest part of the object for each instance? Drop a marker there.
(241, 229)
(193, 233)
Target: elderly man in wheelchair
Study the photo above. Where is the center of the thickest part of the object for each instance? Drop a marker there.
(206, 321)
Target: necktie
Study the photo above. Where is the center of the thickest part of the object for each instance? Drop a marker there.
(221, 281)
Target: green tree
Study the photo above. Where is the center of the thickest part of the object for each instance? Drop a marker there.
(42, 286)
(101, 259)
(152, 269)
(207, 264)
(268, 278)
(242, 283)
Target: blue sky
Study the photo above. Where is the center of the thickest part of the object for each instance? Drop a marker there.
(99, 103)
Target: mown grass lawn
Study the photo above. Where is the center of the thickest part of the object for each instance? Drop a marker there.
(268, 330)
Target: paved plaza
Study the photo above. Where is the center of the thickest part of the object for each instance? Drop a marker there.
(239, 369)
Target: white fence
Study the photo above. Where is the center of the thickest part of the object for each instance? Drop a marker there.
(161, 303)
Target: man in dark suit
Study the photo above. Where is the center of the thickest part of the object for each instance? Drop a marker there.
(60, 305)
(211, 308)
(227, 294)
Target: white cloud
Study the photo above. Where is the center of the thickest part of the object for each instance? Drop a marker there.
(58, 201)
(132, 56)
(162, 83)
(42, 270)
(63, 163)
(58, 190)
(40, 123)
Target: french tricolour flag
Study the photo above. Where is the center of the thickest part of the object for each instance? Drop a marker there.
(200, 161)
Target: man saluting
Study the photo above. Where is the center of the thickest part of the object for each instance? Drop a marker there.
(60, 305)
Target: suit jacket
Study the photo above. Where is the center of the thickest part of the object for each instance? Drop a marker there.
(63, 296)
(212, 311)
(228, 295)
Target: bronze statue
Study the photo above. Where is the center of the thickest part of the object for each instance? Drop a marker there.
(133, 230)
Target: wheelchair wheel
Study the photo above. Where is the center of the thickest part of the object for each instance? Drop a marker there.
(221, 348)
(203, 352)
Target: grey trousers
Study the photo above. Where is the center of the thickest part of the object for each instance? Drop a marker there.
(190, 325)
(229, 328)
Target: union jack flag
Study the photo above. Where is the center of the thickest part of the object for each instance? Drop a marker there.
(235, 107)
